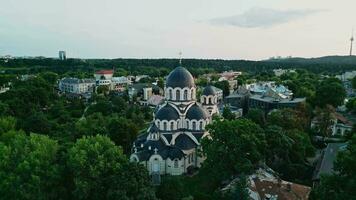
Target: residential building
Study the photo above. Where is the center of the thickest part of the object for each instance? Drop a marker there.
(76, 86)
(120, 83)
(339, 124)
(263, 95)
(104, 77)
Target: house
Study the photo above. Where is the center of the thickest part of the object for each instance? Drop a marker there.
(265, 184)
(339, 125)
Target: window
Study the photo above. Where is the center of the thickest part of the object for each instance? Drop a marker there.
(201, 125)
(194, 126)
(176, 163)
(172, 125)
(185, 94)
(158, 125)
(187, 124)
(210, 101)
(165, 126)
(170, 93)
(178, 95)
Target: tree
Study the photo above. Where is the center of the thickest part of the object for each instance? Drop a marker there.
(7, 124)
(341, 184)
(257, 116)
(353, 82)
(102, 89)
(234, 147)
(325, 119)
(92, 125)
(28, 168)
(237, 191)
(227, 114)
(50, 77)
(123, 132)
(225, 86)
(287, 119)
(101, 171)
(330, 92)
(172, 187)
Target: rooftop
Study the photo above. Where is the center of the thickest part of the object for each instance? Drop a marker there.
(110, 71)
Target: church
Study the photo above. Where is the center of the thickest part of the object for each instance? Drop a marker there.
(172, 141)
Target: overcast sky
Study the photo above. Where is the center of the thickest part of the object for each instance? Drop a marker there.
(227, 29)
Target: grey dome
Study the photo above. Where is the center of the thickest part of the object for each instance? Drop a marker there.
(167, 112)
(196, 112)
(180, 77)
(209, 90)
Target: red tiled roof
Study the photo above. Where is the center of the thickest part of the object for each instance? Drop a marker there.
(284, 190)
(109, 71)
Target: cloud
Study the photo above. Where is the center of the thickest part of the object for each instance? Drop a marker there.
(262, 17)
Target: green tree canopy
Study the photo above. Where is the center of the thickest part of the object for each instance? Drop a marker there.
(101, 171)
(330, 92)
(28, 168)
(233, 147)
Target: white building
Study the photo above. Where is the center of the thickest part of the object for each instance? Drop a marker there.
(104, 77)
(76, 86)
(171, 143)
(119, 83)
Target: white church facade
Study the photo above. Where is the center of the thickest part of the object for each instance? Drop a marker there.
(171, 143)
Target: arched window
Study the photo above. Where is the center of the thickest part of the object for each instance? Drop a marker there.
(170, 94)
(175, 163)
(210, 101)
(201, 125)
(158, 124)
(172, 125)
(187, 125)
(165, 126)
(185, 94)
(194, 126)
(178, 95)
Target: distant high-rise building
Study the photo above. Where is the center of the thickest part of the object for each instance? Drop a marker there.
(62, 55)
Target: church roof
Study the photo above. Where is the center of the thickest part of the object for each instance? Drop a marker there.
(196, 112)
(209, 90)
(171, 152)
(184, 142)
(180, 77)
(153, 128)
(167, 112)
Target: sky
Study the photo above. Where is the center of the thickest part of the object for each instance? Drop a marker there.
(224, 29)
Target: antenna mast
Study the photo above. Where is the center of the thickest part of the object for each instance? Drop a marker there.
(351, 40)
(180, 58)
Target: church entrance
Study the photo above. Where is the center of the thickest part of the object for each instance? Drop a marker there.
(156, 166)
